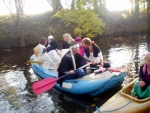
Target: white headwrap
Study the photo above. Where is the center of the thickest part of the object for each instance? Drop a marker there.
(72, 56)
(75, 46)
(50, 37)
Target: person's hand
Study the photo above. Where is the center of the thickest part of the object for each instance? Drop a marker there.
(48, 46)
(141, 83)
(101, 64)
(59, 53)
(71, 72)
(93, 62)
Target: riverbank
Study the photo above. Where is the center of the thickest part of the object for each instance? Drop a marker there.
(32, 28)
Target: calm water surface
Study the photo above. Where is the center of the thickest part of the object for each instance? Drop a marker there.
(16, 78)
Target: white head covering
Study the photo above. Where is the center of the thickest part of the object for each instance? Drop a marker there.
(50, 37)
(75, 46)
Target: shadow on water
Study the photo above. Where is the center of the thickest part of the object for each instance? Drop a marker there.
(82, 102)
(16, 78)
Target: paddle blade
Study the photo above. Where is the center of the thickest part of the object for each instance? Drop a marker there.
(43, 85)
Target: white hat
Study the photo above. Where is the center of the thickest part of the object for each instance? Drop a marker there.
(50, 37)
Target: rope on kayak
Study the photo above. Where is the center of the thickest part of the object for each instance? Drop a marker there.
(98, 109)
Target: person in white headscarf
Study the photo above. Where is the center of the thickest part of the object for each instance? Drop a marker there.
(70, 63)
(49, 39)
(52, 57)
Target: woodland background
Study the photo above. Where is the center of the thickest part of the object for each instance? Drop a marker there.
(84, 18)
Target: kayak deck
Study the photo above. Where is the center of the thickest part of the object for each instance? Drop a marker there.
(123, 102)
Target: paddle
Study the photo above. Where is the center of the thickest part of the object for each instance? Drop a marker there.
(48, 83)
(110, 69)
(33, 61)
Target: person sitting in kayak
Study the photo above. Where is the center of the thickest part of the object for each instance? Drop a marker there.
(142, 88)
(70, 63)
(67, 40)
(40, 49)
(53, 45)
(93, 52)
(52, 58)
(49, 38)
(81, 47)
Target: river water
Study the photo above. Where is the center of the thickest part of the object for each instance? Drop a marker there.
(16, 78)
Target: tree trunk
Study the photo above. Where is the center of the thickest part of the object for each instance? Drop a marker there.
(148, 5)
(19, 29)
(132, 7)
(96, 8)
(55, 4)
(148, 10)
(136, 13)
(73, 4)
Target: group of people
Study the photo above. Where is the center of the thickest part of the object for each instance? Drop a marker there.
(77, 53)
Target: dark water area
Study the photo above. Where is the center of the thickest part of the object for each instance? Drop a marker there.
(16, 78)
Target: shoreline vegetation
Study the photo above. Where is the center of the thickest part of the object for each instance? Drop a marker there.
(20, 30)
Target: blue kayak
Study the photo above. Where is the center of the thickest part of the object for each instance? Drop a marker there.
(92, 84)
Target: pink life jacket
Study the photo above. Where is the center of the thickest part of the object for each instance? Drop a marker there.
(81, 50)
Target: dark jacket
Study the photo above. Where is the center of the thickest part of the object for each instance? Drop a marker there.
(144, 77)
(53, 45)
(67, 63)
(65, 45)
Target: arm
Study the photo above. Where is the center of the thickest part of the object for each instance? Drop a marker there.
(86, 59)
(55, 57)
(69, 72)
(101, 58)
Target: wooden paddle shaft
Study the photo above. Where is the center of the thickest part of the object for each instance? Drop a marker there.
(85, 65)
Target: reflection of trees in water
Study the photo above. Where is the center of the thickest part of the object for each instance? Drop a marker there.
(137, 44)
(68, 106)
(106, 43)
(70, 103)
(136, 59)
(148, 43)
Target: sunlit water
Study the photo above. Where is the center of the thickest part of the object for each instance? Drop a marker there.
(16, 78)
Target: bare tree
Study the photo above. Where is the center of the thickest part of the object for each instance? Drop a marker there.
(55, 4)
(9, 6)
(19, 5)
(73, 4)
(136, 13)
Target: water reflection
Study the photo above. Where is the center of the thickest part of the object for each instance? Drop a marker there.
(15, 85)
(120, 56)
(15, 97)
(43, 104)
(123, 51)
